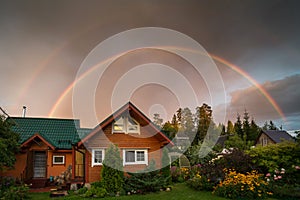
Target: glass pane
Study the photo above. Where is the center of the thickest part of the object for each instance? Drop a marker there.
(119, 124)
(98, 157)
(58, 159)
(129, 156)
(140, 155)
(132, 128)
(131, 121)
(118, 127)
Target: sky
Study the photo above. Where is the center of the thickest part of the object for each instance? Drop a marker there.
(254, 45)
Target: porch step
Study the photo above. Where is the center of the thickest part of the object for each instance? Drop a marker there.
(37, 182)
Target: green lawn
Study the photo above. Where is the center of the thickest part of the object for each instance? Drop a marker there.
(179, 191)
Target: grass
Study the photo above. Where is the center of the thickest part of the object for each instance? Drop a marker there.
(179, 191)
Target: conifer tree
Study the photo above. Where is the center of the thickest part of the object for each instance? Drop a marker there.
(246, 126)
(112, 174)
(238, 127)
(165, 170)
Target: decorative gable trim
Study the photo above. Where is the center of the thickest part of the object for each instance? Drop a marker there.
(37, 135)
(127, 107)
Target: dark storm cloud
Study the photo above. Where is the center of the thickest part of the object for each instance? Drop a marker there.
(285, 92)
(262, 37)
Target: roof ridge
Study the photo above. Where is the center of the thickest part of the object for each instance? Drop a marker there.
(45, 118)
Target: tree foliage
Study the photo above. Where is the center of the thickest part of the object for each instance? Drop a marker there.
(230, 128)
(112, 171)
(148, 180)
(157, 120)
(269, 126)
(9, 143)
(203, 120)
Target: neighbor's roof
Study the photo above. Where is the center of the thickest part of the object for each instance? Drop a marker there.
(59, 133)
(278, 135)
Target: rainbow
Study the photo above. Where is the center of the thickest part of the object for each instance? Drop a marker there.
(261, 89)
(214, 57)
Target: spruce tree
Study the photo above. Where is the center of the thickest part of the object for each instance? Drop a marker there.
(148, 180)
(165, 170)
(112, 170)
(238, 127)
(246, 126)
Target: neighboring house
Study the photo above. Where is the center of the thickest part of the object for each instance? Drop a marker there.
(182, 141)
(222, 139)
(137, 137)
(46, 148)
(267, 137)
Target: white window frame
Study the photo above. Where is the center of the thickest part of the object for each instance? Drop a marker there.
(58, 163)
(126, 126)
(93, 157)
(145, 162)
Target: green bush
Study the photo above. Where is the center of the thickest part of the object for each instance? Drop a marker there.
(149, 180)
(237, 160)
(82, 190)
(96, 192)
(112, 175)
(276, 156)
(200, 183)
(16, 192)
(9, 189)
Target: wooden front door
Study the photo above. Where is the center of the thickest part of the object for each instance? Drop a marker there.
(39, 164)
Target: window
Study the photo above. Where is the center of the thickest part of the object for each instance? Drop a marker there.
(135, 157)
(264, 141)
(97, 157)
(58, 160)
(126, 124)
(119, 125)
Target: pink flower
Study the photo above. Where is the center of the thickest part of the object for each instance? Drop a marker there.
(297, 167)
(268, 175)
(275, 178)
(279, 177)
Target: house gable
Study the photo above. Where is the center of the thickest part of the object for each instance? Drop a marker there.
(129, 110)
(272, 137)
(137, 149)
(41, 138)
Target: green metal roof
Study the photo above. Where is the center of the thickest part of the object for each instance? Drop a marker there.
(61, 133)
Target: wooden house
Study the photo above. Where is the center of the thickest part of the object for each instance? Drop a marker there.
(268, 137)
(137, 137)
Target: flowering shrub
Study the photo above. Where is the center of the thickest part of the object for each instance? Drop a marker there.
(285, 183)
(180, 174)
(242, 186)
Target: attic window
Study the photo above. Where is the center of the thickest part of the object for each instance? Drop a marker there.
(126, 124)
